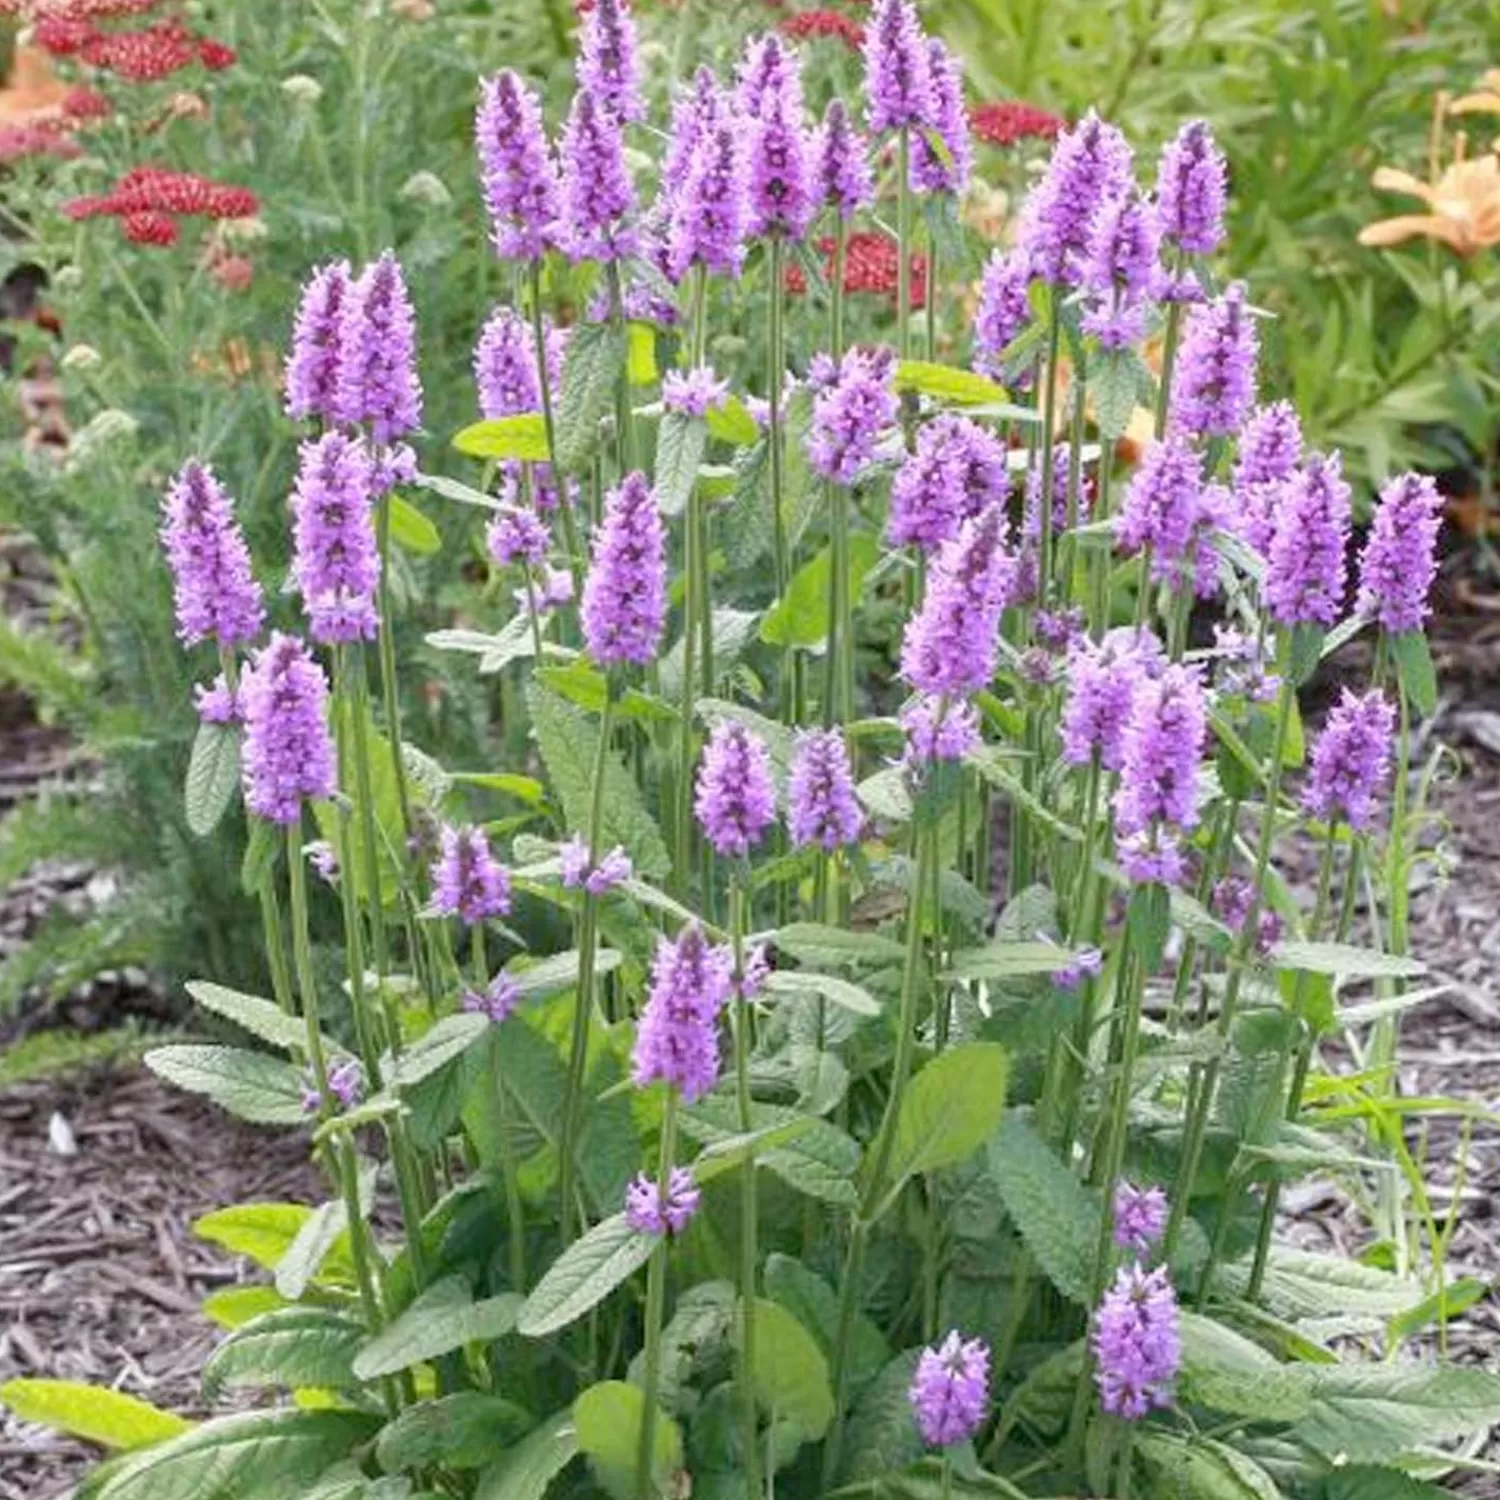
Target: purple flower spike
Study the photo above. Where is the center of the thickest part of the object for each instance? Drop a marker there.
(1119, 268)
(821, 806)
(1270, 445)
(850, 412)
(1400, 559)
(608, 67)
(1137, 1339)
(1161, 504)
(950, 1392)
(217, 702)
(949, 121)
(288, 755)
(708, 217)
(950, 644)
(647, 1213)
(505, 366)
(468, 882)
(1004, 309)
(312, 368)
(517, 171)
(937, 729)
(578, 873)
(518, 536)
(735, 799)
(695, 112)
(677, 1041)
(693, 393)
(498, 1000)
(1090, 165)
(1140, 1217)
(957, 471)
(335, 560)
(597, 193)
(378, 382)
(625, 594)
(1103, 680)
(1215, 385)
(346, 1083)
(214, 593)
(842, 173)
(898, 80)
(770, 76)
(1162, 746)
(1088, 963)
(1191, 189)
(780, 169)
(1305, 568)
(1062, 468)
(1351, 760)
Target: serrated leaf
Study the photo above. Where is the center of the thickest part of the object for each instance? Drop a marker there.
(1225, 1372)
(948, 385)
(835, 947)
(731, 422)
(1304, 651)
(451, 489)
(887, 794)
(213, 776)
(526, 1471)
(261, 852)
(318, 1238)
(1148, 916)
(1299, 1284)
(411, 530)
(607, 1419)
(568, 742)
(250, 1085)
(881, 1437)
(1198, 1469)
(1367, 1414)
(262, 1231)
(680, 444)
(815, 1305)
(521, 438)
(261, 1018)
(94, 1413)
(291, 1347)
(949, 1109)
(464, 1431)
(1414, 664)
(447, 1040)
(232, 1307)
(444, 1318)
(1345, 961)
(591, 372)
(840, 992)
(1114, 379)
(1008, 960)
(820, 1160)
(1369, 1482)
(584, 1275)
(790, 1372)
(800, 618)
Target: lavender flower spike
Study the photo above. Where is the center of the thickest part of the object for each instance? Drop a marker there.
(850, 412)
(821, 806)
(214, 593)
(1215, 385)
(1351, 759)
(517, 172)
(1004, 309)
(312, 367)
(780, 181)
(958, 471)
(842, 173)
(288, 756)
(709, 215)
(505, 365)
(950, 1390)
(648, 1213)
(695, 112)
(1270, 443)
(468, 882)
(1305, 568)
(625, 595)
(1103, 680)
(1090, 165)
(898, 80)
(1137, 1341)
(1400, 559)
(1161, 503)
(378, 382)
(1162, 746)
(335, 560)
(735, 799)
(949, 121)
(677, 1041)
(1140, 1216)
(1191, 188)
(693, 393)
(1118, 270)
(597, 193)
(608, 66)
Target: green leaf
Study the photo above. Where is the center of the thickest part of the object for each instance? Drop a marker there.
(522, 438)
(262, 1231)
(261, 1018)
(1114, 379)
(1299, 1284)
(526, 1471)
(291, 1347)
(451, 489)
(882, 1438)
(820, 1160)
(261, 852)
(1225, 1372)
(949, 1109)
(1056, 1214)
(1414, 666)
(312, 1246)
(640, 360)
(1304, 652)
(815, 1305)
(97, 1415)
(464, 1431)
(1368, 1482)
(559, 971)
(790, 1373)
(568, 743)
(730, 422)
(840, 992)
(945, 384)
(680, 444)
(584, 1275)
(607, 1418)
(261, 1455)
(444, 1318)
(412, 530)
(1456, 1297)
(385, 796)
(1199, 1469)
(213, 776)
(447, 1040)
(1149, 918)
(800, 618)
(1002, 960)
(1342, 960)
(232, 1307)
(591, 372)
(835, 947)
(1371, 1413)
(250, 1085)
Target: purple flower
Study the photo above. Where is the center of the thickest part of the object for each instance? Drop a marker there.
(1137, 1341)
(1351, 759)
(625, 594)
(214, 593)
(1118, 270)
(324, 861)
(842, 175)
(770, 75)
(1305, 567)
(1087, 963)
(693, 393)
(1058, 630)
(497, 1000)
(695, 112)
(1161, 503)
(949, 121)
(950, 1390)
(735, 798)
(1103, 680)
(779, 165)
(1231, 902)
(608, 68)
(1004, 309)
(335, 560)
(505, 365)
(677, 1041)
(1191, 188)
(898, 81)
(288, 754)
(312, 368)
(936, 729)
(597, 193)
(1161, 748)
(517, 171)
(217, 702)
(468, 882)
(756, 971)
(1140, 1216)
(1214, 388)
(647, 1213)
(951, 642)
(708, 217)
(850, 412)
(1270, 444)
(346, 1082)
(1153, 858)
(1062, 469)
(1400, 559)
(957, 471)
(378, 381)
(518, 536)
(821, 806)
(1090, 165)
(578, 871)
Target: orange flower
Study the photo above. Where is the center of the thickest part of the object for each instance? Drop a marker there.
(1485, 100)
(1464, 204)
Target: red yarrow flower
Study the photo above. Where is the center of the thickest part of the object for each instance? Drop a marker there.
(45, 138)
(150, 228)
(870, 261)
(1006, 121)
(810, 25)
(160, 190)
(86, 104)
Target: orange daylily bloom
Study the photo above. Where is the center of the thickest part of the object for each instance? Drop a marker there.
(1464, 204)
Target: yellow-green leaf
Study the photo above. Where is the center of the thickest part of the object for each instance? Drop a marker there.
(522, 437)
(412, 530)
(263, 1231)
(110, 1418)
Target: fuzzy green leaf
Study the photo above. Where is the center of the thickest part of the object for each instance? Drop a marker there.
(1414, 664)
(591, 372)
(790, 1373)
(835, 947)
(463, 1431)
(526, 1471)
(213, 776)
(522, 438)
(444, 1318)
(840, 992)
(680, 444)
(261, 1018)
(730, 422)
(94, 1413)
(800, 618)
(948, 385)
(1200, 1469)
(1343, 960)
(607, 1418)
(584, 1275)
(949, 1109)
(1371, 1413)
(262, 1231)
(250, 1085)
(290, 1347)
(448, 1039)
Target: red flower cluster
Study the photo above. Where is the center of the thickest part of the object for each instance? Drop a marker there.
(86, 104)
(144, 56)
(37, 11)
(41, 138)
(870, 262)
(824, 23)
(148, 201)
(1008, 121)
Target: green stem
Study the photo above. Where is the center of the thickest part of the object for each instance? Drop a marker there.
(903, 243)
(355, 707)
(836, 291)
(514, 1212)
(390, 689)
(624, 424)
(1049, 447)
(1170, 340)
(656, 1296)
(683, 823)
(775, 375)
(560, 488)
